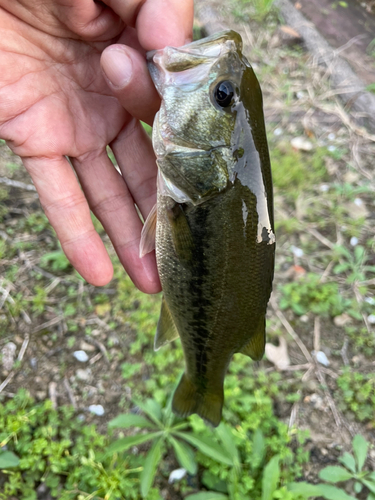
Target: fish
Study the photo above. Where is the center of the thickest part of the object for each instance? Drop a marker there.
(212, 226)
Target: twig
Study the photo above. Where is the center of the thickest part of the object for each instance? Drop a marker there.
(99, 345)
(19, 359)
(52, 394)
(344, 352)
(47, 324)
(17, 184)
(317, 334)
(321, 238)
(70, 393)
(290, 330)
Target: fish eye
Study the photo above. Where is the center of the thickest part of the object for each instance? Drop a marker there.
(224, 93)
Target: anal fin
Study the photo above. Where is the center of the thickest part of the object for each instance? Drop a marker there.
(148, 234)
(166, 330)
(187, 400)
(255, 347)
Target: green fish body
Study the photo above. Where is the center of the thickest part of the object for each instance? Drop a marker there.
(215, 240)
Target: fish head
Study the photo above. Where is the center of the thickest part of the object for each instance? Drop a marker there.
(195, 131)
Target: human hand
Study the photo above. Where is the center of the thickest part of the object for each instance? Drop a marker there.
(56, 103)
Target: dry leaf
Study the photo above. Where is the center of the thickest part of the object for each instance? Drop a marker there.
(290, 31)
(278, 355)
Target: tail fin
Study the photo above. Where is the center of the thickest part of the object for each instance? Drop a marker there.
(188, 400)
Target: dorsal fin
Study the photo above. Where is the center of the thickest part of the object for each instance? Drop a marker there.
(255, 348)
(148, 234)
(166, 330)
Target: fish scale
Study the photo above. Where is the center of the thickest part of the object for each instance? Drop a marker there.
(214, 236)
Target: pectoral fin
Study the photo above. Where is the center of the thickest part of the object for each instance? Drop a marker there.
(181, 233)
(166, 330)
(255, 348)
(148, 234)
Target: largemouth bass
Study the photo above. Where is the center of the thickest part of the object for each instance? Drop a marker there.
(214, 227)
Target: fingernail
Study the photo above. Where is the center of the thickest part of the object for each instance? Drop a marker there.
(117, 66)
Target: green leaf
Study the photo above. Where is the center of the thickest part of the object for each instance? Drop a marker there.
(8, 459)
(125, 443)
(207, 446)
(333, 493)
(152, 409)
(207, 495)
(360, 447)
(305, 489)
(129, 420)
(185, 455)
(334, 474)
(271, 476)
(358, 487)
(149, 469)
(226, 437)
(371, 476)
(369, 484)
(348, 460)
(259, 449)
(371, 496)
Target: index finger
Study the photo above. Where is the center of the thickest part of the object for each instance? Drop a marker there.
(158, 22)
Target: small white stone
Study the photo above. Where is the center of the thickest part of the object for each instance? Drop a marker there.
(371, 319)
(370, 300)
(97, 410)
(83, 375)
(300, 94)
(298, 252)
(322, 358)
(358, 202)
(301, 143)
(324, 188)
(331, 136)
(176, 475)
(278, 131)
(353, 241)
(81, 356)
(331, 148)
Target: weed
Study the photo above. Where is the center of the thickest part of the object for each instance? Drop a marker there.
(358, 395)
(56, 261)
(43, 445)
(353, 471)
(309, 294)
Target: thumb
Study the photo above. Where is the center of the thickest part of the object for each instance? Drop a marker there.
(127, 75)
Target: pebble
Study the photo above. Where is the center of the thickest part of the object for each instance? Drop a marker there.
(370, 300)
(83, 374)
(85, 346)
(342, 320)
(298, 252)
(301, 143)
(331, 136)
(353, 241)
(321, 358)
(371, 319)
(331, 148)
(278, 131)
(316, 400)
(97, 410)
(81, 356)
(176, 475)
(7, 355)
(324, 188)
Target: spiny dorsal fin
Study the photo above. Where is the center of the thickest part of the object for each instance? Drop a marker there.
(148, 234)
(166, 330)
(255, 348)
(181, 233)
